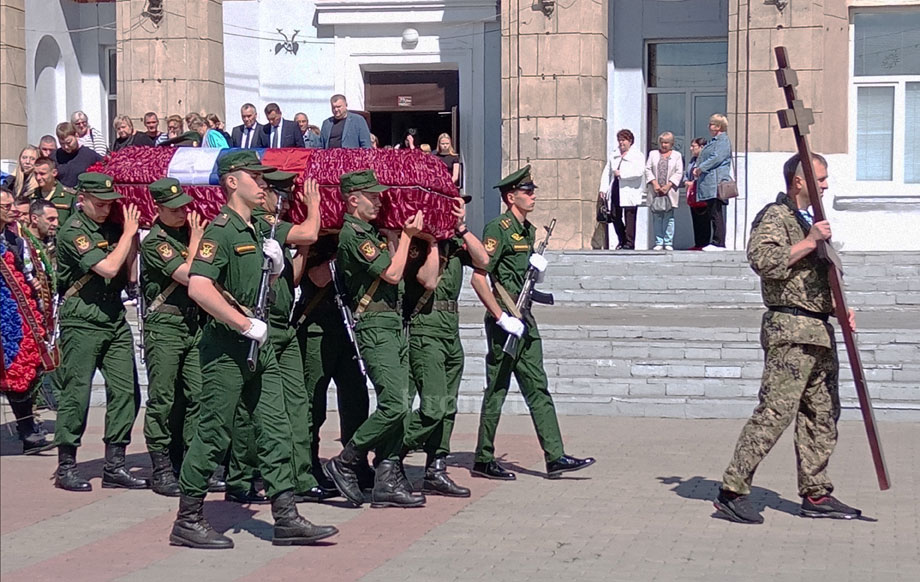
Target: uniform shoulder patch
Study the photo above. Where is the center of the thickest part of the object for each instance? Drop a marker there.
(75, 223)
(369, 250)
(505, 223)
(68, 189)
(165, 251)
(221, 219)
(82, 244)
(206, 251)
(490, 243)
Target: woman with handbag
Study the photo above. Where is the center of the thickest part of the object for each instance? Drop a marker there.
(621, 188)
(699, 211)
(714, 167)
(663, 172)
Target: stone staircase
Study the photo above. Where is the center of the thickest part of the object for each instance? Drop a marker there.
(677, 335)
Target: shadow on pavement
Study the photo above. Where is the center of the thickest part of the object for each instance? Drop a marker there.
(706, 490)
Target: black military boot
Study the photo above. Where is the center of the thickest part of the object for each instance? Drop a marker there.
(341, 469)
(163, 481)
(291, 529)
(438, 483)
(217, 482)
(192, 530)
(66, 476)
(114, 473)
(392, 489)
(566, 464)
(365, 474)
(35, 442)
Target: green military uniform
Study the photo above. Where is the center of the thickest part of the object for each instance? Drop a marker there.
(94, 331)
(191, 139)
(362, 257)
(800, 364)
(64, 199)
(172, 333)
(230, 255)
(435, 352)
(327, 355)
(509, 245)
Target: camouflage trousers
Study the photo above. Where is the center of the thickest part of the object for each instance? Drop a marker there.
(799, 382)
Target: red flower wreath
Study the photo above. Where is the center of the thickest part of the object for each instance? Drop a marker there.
(23, 371)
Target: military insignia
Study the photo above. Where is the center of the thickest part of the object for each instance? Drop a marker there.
(166, 251)
(206, 251)
(221, 219)
(520, 247)
(505, 223)
(102, 244)
(173, 189)
(82, 243)
(382, 245)
(356, 228)
(413, 252)
(516, 236)
(75, 223)
(270, 218)
(108, 183)
(184, 254)
(243, 249)
(62, 206)
(194, 144)
(369, 251)
(491, 244)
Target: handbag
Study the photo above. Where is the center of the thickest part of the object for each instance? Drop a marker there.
(728, 189)
(661, 204)
(603, 212)
(692, 202)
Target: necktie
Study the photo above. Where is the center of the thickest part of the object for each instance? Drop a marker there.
(248, 139)
(275, 131)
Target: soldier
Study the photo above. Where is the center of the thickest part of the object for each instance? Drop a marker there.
(800, 356)
(509, 241)
(189, 139)
(52, 190)
(95, 257)
(371, 276)
(171, 332)
(224, 281)
(433, 278)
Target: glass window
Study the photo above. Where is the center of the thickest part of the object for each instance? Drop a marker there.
(667, 112)
(912, 134)
(886, 43)
(687, 64)
(874, 132)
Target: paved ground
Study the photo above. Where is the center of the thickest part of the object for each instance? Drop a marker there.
(642, 513)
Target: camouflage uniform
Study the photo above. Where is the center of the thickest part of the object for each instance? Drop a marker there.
(800, 357)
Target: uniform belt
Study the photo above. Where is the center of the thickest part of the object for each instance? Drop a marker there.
(379, 307)
(447, 305)
(190, 311)
(801, 312)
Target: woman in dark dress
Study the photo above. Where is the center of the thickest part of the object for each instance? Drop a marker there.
(450, 158)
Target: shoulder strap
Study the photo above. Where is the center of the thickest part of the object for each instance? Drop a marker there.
(79, 284)
(429, 292)
(368, 297)
(162, 297)
(507, 300)
(311, 305)
(229, 298)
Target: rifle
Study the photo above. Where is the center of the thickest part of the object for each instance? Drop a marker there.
(798, 117)
(260, 311)
(529, 295)
(348, 320)
(141, 304)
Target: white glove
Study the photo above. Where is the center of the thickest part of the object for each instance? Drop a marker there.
(258, 331)
(272, 250)
(538, 262)
(512, 325)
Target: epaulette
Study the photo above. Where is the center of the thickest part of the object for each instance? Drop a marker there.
(75, 223)
(68, 189)
(357, 228)
(221, 219)
(505, 223)
(161, 233)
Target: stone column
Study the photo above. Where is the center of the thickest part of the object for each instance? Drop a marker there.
(816, 35)
(174, 67)
(554, 108)
(12, 78)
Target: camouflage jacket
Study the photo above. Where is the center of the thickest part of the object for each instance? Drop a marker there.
(804, 284)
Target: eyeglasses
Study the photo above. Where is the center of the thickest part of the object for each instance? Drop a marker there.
(6, 206)
(79, 122)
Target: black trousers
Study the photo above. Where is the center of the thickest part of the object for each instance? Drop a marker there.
(702, 229)
(624, 224)
(717, 221)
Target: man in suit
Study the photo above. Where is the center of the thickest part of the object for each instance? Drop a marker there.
(279, 132)
(344, 129)
(249, 134)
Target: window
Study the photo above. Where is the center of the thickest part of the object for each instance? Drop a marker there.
(111, 87)
(886, 77)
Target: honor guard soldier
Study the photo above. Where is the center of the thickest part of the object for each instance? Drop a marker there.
(172, 332)
(225, 281)
(509, 241)
(371, 276)
(95, 255)
(434, 275)
(801, 371)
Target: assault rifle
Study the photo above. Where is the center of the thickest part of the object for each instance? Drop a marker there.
(798, 117)
(260, 310)
(529, 295)
(348, 320)
(141, 304)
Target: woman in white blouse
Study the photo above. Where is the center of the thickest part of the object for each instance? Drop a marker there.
(622, 188)
(663, 172)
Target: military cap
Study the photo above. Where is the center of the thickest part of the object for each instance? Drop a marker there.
(519, 180)
(97, 185)
(241, 160)
(362, 180)
(189, 138)
(167, 192)
(279, 180)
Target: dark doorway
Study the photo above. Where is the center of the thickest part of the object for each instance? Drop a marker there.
(424, 100)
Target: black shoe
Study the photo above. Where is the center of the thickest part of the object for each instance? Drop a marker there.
(192, 530)
(291, 529)
(827, 506)
(438, 483)
(492, 470)
(35, 443)
(736, 507)
(392, 489)
(341, 469)
(251, 497)
(316, 495)
(66, 476)
(163, 481)
(216, 483)
(566, 464)
(114, 473)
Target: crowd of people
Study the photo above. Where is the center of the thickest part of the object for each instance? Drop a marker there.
(630, 180)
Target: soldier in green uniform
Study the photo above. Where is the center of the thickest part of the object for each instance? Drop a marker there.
(50, 189)
(189, 139)
(224, 281)
(433, 278)
(371, 276)
(171, 332)
(509, 241)
(94, 261)
(800, 377)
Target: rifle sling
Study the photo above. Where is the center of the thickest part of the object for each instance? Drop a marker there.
(162, 297)
(79, 284)
(506, 299)
(442, 264)
(229, 298)
(366, 299)
(312, 304)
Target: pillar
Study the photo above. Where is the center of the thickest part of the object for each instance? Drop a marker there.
(12, 78)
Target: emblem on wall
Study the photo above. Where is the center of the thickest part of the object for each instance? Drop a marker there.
(289, 45)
